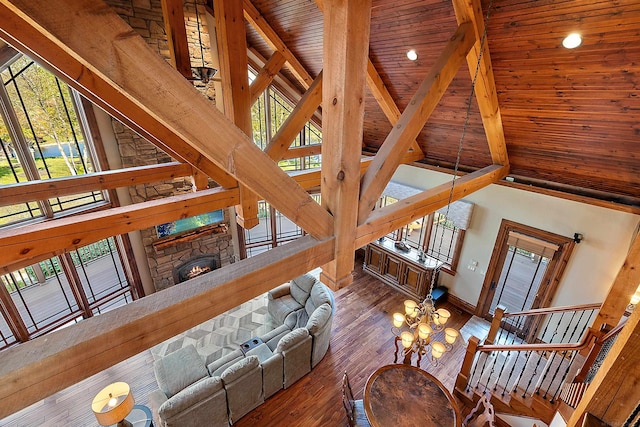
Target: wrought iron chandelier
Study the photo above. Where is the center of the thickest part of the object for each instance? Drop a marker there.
(415, 328)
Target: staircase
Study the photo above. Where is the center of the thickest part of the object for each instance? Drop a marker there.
(528, 359)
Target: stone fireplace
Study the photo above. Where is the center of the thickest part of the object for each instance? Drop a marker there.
(195, 266)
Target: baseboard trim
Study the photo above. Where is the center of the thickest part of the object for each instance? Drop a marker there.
(461, 304)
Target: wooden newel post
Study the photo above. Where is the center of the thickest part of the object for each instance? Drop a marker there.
(495, 324)
(467, 362)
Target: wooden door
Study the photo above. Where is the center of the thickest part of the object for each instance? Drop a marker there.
(374, 259)
(525, 268)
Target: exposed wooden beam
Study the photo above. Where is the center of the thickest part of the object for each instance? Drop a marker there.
(232, 53)
(173, 14)
(7, 53)
(345, 53)
(96, 49)
(613, 394)
(485, 86)
(54, 237)
(283, 85)
(292, 126)
(385, 100)
(45, 189)
(88, 80)
(391, 217)
(34, 370)
(263, 28)
(623, 288)
(381, 94)
(413, 119)
(266, 75)
(303, 151)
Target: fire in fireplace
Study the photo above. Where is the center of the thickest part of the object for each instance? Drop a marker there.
(196, 266)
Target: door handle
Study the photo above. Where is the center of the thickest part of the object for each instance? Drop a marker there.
(493, 285)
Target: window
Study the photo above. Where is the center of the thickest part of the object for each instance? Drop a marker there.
(40, 138)
(273, 230)
(268, 114)
(436, 235)
(62, 290)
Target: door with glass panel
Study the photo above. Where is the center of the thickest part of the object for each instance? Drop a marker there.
(523, 273)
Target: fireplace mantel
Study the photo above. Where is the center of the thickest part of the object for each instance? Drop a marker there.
(189, 236)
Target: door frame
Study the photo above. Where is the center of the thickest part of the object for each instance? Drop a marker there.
(553, 275)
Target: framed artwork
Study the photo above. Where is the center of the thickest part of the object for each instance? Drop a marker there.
(191, 223)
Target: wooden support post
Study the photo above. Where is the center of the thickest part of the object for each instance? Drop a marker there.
(495, 325)
(173, 14)
(236, 93)
(346, 46)
(467, 363)
(624, 285)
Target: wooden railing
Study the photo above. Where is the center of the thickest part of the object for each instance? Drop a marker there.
(527, 357)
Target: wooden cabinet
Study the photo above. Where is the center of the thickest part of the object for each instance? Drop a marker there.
(402, 270)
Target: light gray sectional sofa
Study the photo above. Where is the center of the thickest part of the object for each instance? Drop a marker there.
(197, 391)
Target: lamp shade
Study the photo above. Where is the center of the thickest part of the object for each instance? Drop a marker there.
(441, 316)
(424, 331)
(437, 349)
(113, 403)
(450, 335)
(411, 308)
(407, 339)
(398, 319)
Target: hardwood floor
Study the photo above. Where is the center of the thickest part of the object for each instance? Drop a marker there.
(362, 342)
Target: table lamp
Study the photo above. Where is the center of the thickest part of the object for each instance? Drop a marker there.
(112, 404)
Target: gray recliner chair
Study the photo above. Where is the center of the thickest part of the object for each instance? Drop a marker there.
(188, 396)
(243, 384)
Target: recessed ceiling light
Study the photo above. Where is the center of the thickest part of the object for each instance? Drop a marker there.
(573, 40)
(412, 55)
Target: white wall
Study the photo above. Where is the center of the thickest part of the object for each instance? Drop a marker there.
(594, 263)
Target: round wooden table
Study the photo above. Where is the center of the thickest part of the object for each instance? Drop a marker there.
(403, 395)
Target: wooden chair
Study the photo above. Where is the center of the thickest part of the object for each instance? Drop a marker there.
(354, 408)
(480, 419)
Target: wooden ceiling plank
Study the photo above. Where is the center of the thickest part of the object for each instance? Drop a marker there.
(45, 189)
(391, 217)
(35, 369)
(413, 119)
(345, 53)
(174, 27)
(54, 237)
(296, 121)
(103, 57)
(266, 75)
(485, 85)
(385, 100)
(236, 93)
(263, 28)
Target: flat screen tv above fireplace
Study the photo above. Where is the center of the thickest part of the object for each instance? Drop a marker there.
(191, 223)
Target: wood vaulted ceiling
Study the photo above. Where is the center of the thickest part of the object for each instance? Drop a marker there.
(571, 118)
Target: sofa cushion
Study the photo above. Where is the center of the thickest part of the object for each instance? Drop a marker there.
(273, 338)
(239, 369)
(217, 367)
(189, 396)
(280, 308)
(302, 317)
(179, 369)
(291, 339)
(319, 318)
(301, 287)
(262, 351)
(320, 294)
